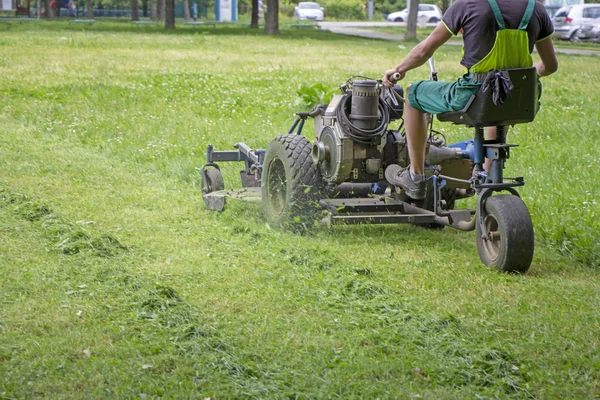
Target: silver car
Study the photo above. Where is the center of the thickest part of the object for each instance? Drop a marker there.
(568, 20)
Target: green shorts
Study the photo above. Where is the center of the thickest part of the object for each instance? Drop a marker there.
(436, 97)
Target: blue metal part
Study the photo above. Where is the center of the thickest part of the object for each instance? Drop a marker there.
(479, 152)
(438, 184)
(467, 147)
(379, 188)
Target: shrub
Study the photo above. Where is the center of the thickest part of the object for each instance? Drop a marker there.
(345, 9)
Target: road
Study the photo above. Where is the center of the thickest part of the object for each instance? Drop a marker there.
(360, 29)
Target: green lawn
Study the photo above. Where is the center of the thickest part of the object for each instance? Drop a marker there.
(115, 282)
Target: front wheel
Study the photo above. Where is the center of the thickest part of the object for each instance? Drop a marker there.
(212, 181)
(508, 244)
(291, 183)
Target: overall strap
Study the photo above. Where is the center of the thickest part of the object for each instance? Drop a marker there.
(498, 14)
(527, 15)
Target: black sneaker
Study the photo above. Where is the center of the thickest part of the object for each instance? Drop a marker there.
(398, 176)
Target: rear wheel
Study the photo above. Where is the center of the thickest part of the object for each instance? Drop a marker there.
(508, 244)
(291, 183)
(574, 36)
(398, 19)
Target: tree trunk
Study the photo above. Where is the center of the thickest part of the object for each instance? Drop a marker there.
(57, 12)
(170, 14)
(272, 17)
(38, 7)
(134, 10)
(153, 10)
(411, 23)
(90, 9)
(145, 8)
(254, 16)
(445, 5)
(186, 10)
(161, 10)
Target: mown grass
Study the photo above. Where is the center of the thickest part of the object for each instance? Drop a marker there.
(116, 282)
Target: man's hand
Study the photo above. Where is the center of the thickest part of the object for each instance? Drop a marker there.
(387, 77)
(419, 54)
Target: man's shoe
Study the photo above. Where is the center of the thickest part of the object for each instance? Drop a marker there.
(398, 176)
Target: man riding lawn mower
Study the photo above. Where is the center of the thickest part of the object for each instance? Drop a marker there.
(488, 45)
(360, 170)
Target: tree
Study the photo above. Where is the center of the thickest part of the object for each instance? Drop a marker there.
(153, 11)
(411, 22)
(170, 14)
(272, 17)
(161, 9)
(39, 9)
(134, 10)
(186, 10)
(445, 5)
(254, 17)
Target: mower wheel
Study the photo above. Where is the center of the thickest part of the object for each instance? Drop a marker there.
(509, 242)
(291, 183)
(212, 180)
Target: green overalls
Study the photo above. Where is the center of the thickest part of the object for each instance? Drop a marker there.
(511, 47)
(510, 50)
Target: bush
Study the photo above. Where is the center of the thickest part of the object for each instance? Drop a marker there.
(345, 9)
(287, 9)
(390, 6)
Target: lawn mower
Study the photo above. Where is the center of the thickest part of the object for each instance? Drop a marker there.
(338, 178)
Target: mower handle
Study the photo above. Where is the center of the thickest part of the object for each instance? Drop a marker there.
(395, 77)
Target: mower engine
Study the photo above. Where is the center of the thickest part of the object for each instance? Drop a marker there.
(353, 142)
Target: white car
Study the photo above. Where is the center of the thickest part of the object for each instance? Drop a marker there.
(308, 10)
(568, 20)
(426, 13)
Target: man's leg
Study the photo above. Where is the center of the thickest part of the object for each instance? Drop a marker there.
(416, 136)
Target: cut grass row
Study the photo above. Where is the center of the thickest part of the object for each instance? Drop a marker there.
(116, 282)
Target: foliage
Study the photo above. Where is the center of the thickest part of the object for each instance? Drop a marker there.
(116, 282)
(389, 6)
(310, 96)
(345, 9)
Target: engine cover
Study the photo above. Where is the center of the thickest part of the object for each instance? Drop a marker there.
(334, 154)
(340, 159)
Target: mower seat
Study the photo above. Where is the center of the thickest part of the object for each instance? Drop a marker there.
(519, 107)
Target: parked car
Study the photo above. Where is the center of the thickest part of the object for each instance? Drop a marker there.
(308, 10)
(427, 13)
(552, 10)
(568, 20)
(590, 31)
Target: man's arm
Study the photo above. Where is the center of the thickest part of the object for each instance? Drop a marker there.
(420, 53)
(549, 63)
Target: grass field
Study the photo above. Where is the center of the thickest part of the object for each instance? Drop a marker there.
(115, 282)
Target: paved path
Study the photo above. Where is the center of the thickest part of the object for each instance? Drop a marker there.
(359, 29)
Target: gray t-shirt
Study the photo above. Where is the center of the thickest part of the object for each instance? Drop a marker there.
(476, 19)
